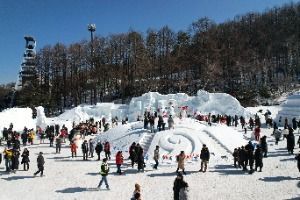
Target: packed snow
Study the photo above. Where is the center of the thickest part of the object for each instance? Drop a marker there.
(73, 178)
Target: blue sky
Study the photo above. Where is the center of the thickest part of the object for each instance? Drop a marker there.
(65, 21)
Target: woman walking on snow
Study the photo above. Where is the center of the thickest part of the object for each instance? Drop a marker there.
(180, 160)
(25, 159)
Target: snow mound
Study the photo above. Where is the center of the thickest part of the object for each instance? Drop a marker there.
(20, 117)
(290, 108)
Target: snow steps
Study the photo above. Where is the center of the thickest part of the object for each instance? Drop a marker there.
(146, 141)
(217, 141)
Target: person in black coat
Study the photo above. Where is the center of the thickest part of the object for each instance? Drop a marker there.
(264, 145)
(15, 160)
(251, 160)
(290, 141)
(235, 155)
(99, 149)
(24, 137)
(25, 159)
(243, 158)
(140, 157)
(51, 138)
(85, 149)
(204, 156)
(40, 164)
(179, 184)
(132, 154)
(298, 161)
(258, 156)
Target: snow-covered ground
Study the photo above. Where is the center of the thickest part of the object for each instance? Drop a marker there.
(67, 178)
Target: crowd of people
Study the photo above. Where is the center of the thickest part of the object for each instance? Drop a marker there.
(248, 157)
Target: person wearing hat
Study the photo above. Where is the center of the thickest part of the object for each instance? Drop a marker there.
(40, 163)
(180, 188)
(104, 172)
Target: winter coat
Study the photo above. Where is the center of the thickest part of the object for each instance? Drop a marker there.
(106, 147)
(119, 159)
(99, 148)
(258, 156)
(180, 159)
(104, 169)
(85, 147)
(277, 134)
(263, 144)
(73, 147)
(91, 145)
(8, 153)
(40, 161)
(298, 161)
(179, 189)
(257, 131)
(25, 157)
(290, 141)
(156, 154)
(58, 141)
(204, 155)
(242, 155)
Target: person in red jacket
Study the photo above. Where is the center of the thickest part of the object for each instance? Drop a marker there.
(119, 161)
(257, 133)
(73, 149)
(107, 150)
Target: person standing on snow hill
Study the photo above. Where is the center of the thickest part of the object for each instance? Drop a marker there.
(119, 161)
(40, 164)
(180, 160)
(98, 149)
(156, 156)
(85, 149)
(204, 156)
(104, 172)
(180, 188)
(73, 149)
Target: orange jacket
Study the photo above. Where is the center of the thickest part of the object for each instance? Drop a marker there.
(73, 147)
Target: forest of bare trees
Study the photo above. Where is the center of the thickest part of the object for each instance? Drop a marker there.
(255, 54)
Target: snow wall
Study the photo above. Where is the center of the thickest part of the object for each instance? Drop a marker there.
(289, 109)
